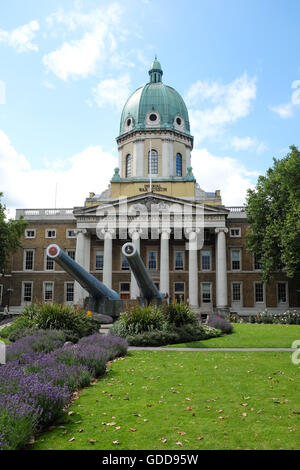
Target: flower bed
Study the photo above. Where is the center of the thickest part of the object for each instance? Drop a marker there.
(36, 386)
(290, 317)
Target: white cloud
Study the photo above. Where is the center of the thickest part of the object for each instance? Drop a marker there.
(247, 143)
(287, 110)
(113, 92)
(79, 58)
(25, 187)
(224, 173)
(227, 104)
(21, 38)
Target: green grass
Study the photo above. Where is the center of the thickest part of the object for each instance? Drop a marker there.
(251, 336)
(230, 400)
(5, 340)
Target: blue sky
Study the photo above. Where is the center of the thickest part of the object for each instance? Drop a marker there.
(67, 67)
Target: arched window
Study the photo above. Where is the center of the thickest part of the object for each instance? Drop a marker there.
(153, 162)
(128, 166)
(178, 164)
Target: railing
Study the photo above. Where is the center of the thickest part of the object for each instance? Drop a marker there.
(45, 213)
(236, 208)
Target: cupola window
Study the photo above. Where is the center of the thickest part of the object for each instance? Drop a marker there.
(153, 162)
(153, 117)
(128, 166)
(178, 164)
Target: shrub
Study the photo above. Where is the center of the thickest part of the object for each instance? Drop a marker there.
(42, 341)
(56, 317)
(182, 334)
(138, 320)
(178, 314)
(220, 323)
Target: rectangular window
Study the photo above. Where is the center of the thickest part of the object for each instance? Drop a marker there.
(30, 233)
(28, 260)
(206, 292)
(99, 260)
(71, 253)
(236, 292)
(179, 291)
(50, 233)
(152, 260)
(205, 260)
(27, 291)
(124, 265)
(235, 259)
(125, 290)
(235, 232)
(281, 292)
(71, 233)
(48, 291)
(259, 292)
(49, 264)
(179, 260)
(69, 291)
(256, 262)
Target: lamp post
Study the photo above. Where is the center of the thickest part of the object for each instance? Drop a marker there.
(9, 292)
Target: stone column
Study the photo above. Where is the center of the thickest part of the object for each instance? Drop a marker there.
(221, 268)
(167, 157)
(193, 269)
(164, 262)
(107, 258)
(134, 288)
(138, 158)
(82, 257)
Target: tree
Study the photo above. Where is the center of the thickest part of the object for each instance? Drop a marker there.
(10, 235)
(273, 211)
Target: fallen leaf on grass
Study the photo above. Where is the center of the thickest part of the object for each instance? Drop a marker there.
(116, 442)
(72, 439)
(132, 429)
(92, 441)
(178, 443)
(163, 439)
(182, 433)
(244, 414)
(200, 438)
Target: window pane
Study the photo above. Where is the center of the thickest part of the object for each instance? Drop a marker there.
(178, 260)
(282, 292)
(128, 166)
(71, 253)
(152, 259)
(179, 286)
(29, 259)
(178, 164)
(206, 297)
(257, 264)
(205, 256)
(99, 260)
(236, 291)
(125, 287)
(259, 292)
(49, 264)
(70, 291)
(27, 292)
(125, 264)
(153, 164)
(235, 259)
(48, 291)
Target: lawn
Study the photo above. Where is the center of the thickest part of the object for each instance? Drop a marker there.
(186, 400)
(248, 335)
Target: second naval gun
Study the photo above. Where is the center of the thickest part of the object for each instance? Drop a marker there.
(145, 282)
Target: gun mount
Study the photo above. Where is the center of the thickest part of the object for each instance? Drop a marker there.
(148, 289)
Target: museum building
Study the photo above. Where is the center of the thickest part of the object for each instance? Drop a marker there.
(154, 146)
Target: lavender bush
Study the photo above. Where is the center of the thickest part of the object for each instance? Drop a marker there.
(41, 341)
(36, 386)
(220, 323)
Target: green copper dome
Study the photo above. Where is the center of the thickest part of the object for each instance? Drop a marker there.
(155, 106)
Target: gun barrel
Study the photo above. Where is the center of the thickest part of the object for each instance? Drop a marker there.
(94, 287)
(143, 279)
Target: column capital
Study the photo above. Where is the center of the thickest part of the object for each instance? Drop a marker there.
(81, 230)
(221, 229)
(165, 232)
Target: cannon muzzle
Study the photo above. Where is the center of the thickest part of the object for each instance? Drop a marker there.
(95, 288)
(148, 288)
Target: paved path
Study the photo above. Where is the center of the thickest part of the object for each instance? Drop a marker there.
(150, 348)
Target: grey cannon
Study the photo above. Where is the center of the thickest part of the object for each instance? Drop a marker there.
(102, 300)
(149, 291)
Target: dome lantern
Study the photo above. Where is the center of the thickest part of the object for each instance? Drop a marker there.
(155, 71)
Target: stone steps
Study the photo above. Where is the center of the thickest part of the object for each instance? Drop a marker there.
(104, 330)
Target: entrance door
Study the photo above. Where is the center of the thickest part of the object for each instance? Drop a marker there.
(236, 295)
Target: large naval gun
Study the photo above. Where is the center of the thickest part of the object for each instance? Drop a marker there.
(104, 301)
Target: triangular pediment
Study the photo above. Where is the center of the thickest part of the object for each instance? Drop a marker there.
(164, 202)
